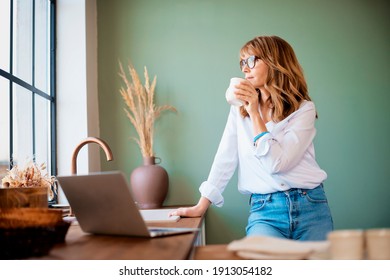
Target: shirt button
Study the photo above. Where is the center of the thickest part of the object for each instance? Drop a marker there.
(282, 184)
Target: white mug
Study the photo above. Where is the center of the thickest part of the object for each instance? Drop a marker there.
(230, 95)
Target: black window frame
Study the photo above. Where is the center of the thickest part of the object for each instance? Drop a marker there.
(50, 96)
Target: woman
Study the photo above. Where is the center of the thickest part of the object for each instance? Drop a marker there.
(270, 140)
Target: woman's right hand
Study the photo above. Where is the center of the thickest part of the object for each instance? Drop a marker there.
(195, 211)
(247, 93)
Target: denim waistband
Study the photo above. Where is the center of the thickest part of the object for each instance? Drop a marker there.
(289, 192)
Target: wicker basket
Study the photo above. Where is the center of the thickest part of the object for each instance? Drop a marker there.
(30, 232)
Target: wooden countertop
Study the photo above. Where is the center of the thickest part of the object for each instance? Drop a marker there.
(214, 252)
(83, 246)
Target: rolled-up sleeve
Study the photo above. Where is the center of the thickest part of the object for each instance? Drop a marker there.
(283, 148)
(212, 193)
(224, 164)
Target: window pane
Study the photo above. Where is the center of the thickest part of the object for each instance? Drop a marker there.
(25, 132)
(41, 44)
(42, 131)
(4, 34)
(22, 39)
(22, 125)
(4, 126)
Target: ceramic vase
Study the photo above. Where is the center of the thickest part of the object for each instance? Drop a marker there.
(149, 184)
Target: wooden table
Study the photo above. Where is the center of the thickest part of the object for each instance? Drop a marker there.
(214, 252)
(83, 246)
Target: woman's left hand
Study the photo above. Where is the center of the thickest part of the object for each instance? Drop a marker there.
(246, 92)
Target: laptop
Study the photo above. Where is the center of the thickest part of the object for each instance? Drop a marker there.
(103, 204)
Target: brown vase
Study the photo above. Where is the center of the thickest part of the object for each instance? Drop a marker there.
(149, 184)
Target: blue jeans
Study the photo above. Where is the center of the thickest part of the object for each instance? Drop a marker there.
(297, 214)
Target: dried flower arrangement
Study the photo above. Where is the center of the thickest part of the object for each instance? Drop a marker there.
(31, 175)
(141, 110)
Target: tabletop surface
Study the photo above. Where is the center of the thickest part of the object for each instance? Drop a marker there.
(79, 245)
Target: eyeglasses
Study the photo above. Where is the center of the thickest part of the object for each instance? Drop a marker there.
(250, 62)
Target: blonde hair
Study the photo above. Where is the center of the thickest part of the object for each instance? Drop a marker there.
(285, 80)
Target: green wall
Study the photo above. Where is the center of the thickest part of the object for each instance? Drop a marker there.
(192, 47)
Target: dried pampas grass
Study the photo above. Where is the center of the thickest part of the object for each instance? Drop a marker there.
(141, 110)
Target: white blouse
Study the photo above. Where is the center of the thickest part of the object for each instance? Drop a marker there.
(282, 159)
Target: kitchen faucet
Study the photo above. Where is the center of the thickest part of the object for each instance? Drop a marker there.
(87, 140)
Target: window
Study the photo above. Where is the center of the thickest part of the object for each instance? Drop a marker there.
(27, 83)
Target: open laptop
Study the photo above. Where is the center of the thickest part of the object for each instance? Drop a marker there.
(103, 204)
